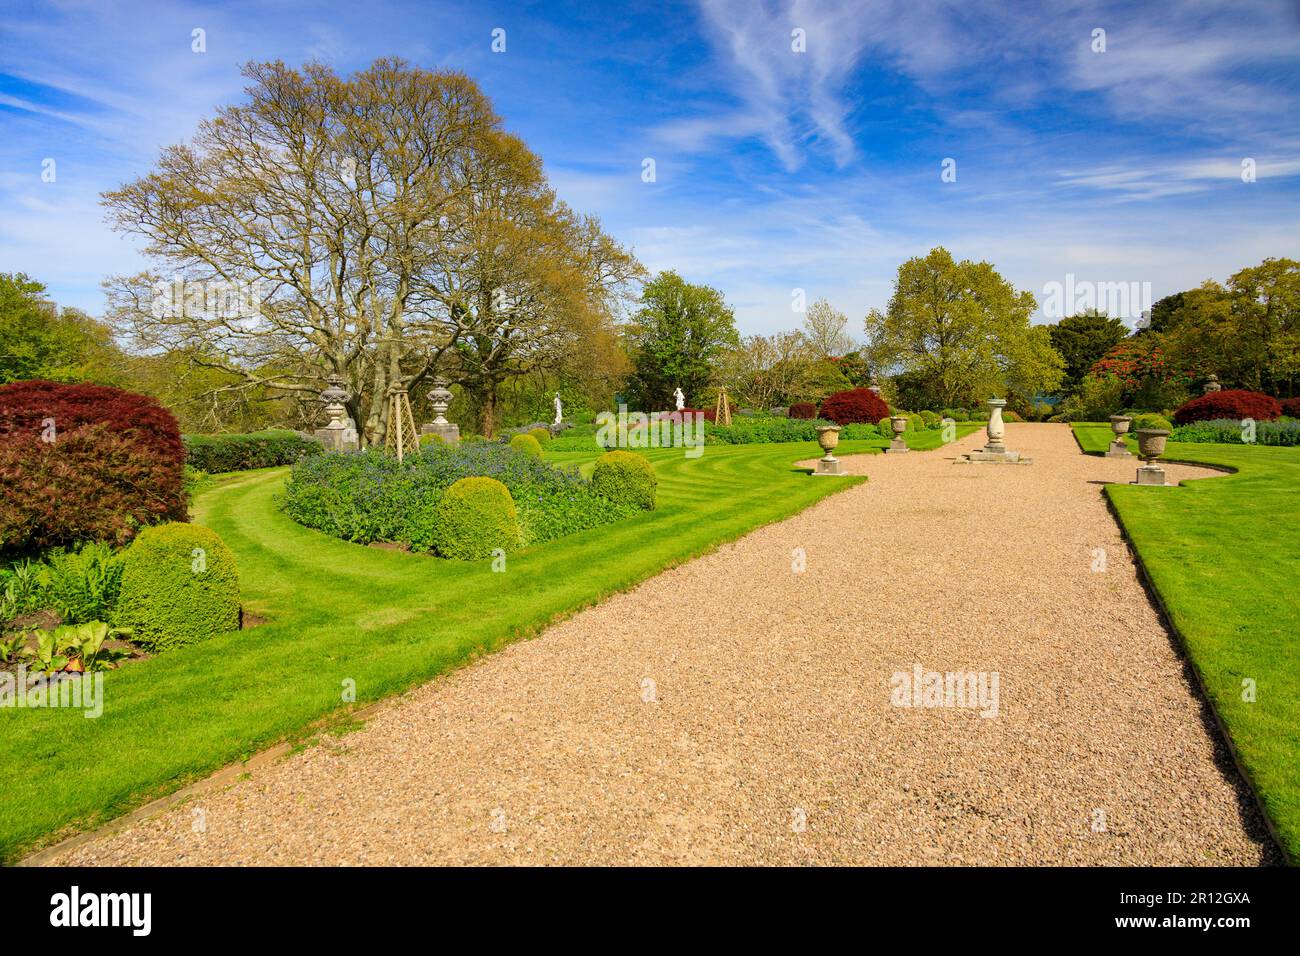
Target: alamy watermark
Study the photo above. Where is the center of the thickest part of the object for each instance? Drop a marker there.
(656, 430)
(1119, 300)
(69, 691)
(210, 299)
(974, 690)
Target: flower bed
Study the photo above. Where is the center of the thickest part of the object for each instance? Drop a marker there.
(368, 496)
(1228, 431)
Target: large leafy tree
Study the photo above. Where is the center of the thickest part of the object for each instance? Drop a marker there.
(963, 332)
(1247, 333)
(38, 340)
(376, 223)
(675, 338)
(825, 328)
(1083, 339)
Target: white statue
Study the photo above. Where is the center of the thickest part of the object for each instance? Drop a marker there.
(559, 409)
(680, 398)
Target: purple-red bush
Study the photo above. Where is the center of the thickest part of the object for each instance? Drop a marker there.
(1291, 407)
(803, 410)
(83, 462)
(1229, 403)
(855, 405)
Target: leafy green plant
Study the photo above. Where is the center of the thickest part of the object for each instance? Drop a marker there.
(12, 648)
(83, 585)
(47, 655)
(22, 588)
(84, 645)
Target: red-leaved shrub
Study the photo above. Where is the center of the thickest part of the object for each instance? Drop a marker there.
(803, 410)
(855, 405)
(83, 462)
(1229, 403)
(1291, 407)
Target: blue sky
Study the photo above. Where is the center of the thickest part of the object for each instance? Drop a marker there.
(776, 170)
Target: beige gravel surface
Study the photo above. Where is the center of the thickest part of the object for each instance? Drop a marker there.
(768, 734)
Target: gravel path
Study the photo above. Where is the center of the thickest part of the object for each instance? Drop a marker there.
(768, 735)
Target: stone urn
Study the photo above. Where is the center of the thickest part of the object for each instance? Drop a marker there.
(340, 434)
(440, 397)
(1151, 445)
(1151, 442)
(828, 436)
(1119, 424)
(899, 424)
(1212, 384)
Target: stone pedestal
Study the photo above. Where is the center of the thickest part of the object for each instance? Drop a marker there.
(1151, 475)
(1118, 449)
(995, 449)
(448, 431)
(896, 447)
(828, 466)
(338, 439)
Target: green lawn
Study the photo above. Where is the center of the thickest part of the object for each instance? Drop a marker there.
(384, 619)
(1224, 556)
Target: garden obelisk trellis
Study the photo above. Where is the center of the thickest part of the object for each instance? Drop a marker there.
(401, 437)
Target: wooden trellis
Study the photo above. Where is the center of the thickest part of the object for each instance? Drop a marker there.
(722, 413)
(402, 437)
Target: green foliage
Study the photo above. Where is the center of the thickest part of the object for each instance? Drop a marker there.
(1229, 431)
(77, 647)
(1098, 397)
(39, 342)
(626, 478)
(179, 586)
(674, 339)
(369, 496)
(83, 585)
(527, 444)
(958, 330)
(22, 588)
(1082, 340)
(542, 435)
(475, 517)
(267, 449)
(1150, 420)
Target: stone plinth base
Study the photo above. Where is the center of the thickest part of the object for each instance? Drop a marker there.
(1151, 475)
(338, 439)
(825, 467)
(1119, 450)
(896, 447)
(449, 432)
(994, 453)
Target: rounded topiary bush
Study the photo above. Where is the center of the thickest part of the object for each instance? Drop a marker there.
(474, 517)
(625, 478)
(803, 410)
(527, 444)
(931, 419)
(179, 586)
(1150, 420)
(85, 462)
(1230, 403)
(854, 405)
(541, 434)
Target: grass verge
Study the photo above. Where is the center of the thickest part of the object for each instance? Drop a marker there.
(1224, 557)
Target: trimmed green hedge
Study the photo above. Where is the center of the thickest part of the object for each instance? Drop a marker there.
(542, 435)
(266, 449)
(527, 444)
(179, 586)
(625, 478)
(473, 518)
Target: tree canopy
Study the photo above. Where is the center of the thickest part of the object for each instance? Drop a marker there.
(962, 332)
